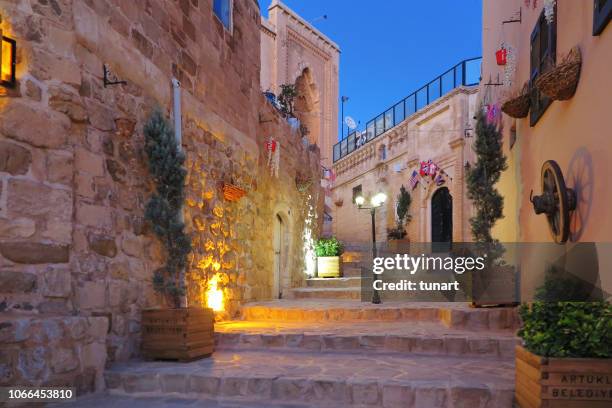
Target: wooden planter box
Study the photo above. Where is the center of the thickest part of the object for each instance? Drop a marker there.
(177, 334)
(328, 266)
(562, 382)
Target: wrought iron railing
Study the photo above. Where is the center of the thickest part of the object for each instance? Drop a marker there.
(465, 73)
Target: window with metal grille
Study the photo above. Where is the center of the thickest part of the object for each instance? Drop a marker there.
(543, 57)
(602, 12)
(356, 192)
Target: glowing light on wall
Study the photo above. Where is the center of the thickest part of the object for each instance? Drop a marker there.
(310, 259)
(7, 61)
(214, 295)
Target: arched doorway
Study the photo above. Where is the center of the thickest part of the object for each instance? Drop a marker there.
(279, 255)
(441, 219)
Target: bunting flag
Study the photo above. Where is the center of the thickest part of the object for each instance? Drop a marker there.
(414, 179)
(439, 180)
(273, 148)
(433, 169)
(424, 168)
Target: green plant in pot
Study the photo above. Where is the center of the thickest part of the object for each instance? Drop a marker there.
(168, 332)
(566, 355)
(328, 251)
(403, 217)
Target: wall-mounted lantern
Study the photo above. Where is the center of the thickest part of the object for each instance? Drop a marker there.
(8, 54)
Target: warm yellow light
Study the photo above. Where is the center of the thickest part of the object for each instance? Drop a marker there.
(359, 200)
(7, 59)
(214, 295)
(378, 200)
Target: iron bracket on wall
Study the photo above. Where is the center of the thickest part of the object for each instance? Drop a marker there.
(110, 78)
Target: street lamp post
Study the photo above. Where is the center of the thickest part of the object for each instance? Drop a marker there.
(375, 202)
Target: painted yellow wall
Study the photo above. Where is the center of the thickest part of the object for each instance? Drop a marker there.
(574, 133)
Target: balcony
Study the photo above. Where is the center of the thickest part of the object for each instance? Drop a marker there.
(465, 73)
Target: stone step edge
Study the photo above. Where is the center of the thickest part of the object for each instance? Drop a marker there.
(497, 319)
(316, 391)
(491, 347)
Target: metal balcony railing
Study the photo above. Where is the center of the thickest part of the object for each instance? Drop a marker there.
(465, 73)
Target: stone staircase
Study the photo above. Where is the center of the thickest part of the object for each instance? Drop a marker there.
(346, 287)
(337, 353)
(355, 263)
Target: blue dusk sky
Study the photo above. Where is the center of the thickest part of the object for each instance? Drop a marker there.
(390, 48)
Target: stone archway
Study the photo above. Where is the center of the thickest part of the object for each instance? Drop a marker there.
(307, 105)
(441, 218)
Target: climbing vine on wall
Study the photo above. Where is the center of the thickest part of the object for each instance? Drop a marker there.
(164, 208)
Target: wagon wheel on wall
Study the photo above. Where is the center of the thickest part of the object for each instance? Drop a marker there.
(556, 201)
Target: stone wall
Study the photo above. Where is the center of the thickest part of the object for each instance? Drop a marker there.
(73, 175)
(54, 351)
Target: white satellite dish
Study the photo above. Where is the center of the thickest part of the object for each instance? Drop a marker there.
(350, 122)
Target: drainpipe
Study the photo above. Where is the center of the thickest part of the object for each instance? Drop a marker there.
(178, 137)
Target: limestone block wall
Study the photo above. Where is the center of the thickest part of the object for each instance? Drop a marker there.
(436, 132)
(54, 351)
(73, 174)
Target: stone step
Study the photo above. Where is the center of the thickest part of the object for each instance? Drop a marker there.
(323, 379)
(452, 315)
(351, 270)
(344, 282)
(421, 338)
(327, 293)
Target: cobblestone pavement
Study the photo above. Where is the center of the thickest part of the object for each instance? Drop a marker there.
(105, 400)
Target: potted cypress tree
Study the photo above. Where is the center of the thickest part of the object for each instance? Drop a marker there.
(174, 331)
(397, 236)
(328, 251)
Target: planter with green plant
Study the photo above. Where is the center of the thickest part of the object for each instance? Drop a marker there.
(328, 251)
(566, 356)
(403, 217)
(176, 331)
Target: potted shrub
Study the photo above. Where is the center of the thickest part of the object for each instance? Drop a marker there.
(566, 355)
(328, 251)
(398, 234)
(175, 331)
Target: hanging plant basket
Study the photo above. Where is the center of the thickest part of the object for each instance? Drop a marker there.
(518, 106)
(232, 192)
(339, 202)
(560, 83)
(501, 56)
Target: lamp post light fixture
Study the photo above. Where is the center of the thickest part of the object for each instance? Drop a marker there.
(376, 201)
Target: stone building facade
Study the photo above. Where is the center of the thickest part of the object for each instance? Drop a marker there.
(76, 254)
(293, 51)
(439, 132)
